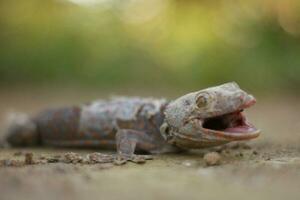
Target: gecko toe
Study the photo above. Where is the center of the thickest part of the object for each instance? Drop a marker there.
(120, 160)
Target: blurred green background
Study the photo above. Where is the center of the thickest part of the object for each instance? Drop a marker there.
(150, 44)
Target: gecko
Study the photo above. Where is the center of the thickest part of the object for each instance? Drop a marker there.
(135, 127)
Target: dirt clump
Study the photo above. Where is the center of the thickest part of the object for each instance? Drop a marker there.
(100, 158)
(73, 158)
(29, 159)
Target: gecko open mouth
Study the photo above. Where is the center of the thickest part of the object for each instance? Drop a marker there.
(232, 125)
(233, 122)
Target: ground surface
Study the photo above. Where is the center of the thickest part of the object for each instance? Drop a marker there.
(269, 169)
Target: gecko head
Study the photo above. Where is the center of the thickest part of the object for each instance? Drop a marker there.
(209, 117)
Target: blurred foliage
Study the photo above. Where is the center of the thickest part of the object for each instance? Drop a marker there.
(182, 43)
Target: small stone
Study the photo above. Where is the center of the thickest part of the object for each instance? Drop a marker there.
(29, 159)
(100, 158)
(255, 153)
(212, 159)
(239, 154)
(72, 158)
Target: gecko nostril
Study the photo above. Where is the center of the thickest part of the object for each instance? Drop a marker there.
(242, 97)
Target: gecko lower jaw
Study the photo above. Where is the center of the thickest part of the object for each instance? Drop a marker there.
(233, 126)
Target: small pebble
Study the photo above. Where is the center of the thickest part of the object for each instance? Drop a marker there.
(29, 159)
(72, 158)
(212, 158)
(52, 160)
(239, 154)
(100, 158)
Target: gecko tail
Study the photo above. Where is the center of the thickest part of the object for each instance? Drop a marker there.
(21, 130)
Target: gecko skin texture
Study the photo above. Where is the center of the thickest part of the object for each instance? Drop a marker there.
(206, 118)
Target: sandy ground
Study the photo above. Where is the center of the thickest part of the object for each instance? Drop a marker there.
(269, 169)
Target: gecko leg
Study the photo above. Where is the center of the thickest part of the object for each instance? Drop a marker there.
(128, 141)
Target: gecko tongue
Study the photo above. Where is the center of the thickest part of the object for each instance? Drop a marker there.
(241, 129)
(237, 123)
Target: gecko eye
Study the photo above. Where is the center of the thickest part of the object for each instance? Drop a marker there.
(201, 101)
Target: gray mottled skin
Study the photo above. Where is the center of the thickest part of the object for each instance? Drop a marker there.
(148, 125)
